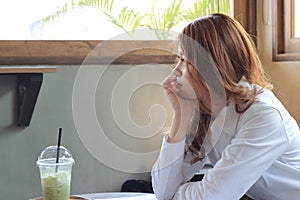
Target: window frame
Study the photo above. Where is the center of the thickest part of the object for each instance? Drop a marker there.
(74, 52)
(285, 46)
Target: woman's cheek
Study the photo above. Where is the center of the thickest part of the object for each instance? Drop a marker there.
(187, 90)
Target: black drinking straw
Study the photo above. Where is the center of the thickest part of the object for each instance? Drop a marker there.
(58, 147)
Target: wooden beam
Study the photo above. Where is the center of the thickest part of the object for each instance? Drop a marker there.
(49, 52)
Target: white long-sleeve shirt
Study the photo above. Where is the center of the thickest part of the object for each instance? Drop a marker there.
(255, 153)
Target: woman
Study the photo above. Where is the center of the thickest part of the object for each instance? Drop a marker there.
(225, 114)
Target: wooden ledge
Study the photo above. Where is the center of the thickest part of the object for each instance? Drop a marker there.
(26, 69)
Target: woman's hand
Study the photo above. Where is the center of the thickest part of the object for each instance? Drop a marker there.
(180, 104)
(171, 89)
(183, 109)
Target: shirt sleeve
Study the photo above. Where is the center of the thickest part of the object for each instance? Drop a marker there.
(172, 169)
(260, 140)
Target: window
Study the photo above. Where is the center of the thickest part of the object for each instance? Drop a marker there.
(101, 19)
(296, 19)
(286, 36)
(54, 52)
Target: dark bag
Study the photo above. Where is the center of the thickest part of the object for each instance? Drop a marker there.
(134, 185)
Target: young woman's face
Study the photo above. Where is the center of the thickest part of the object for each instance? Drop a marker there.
(185, 82)
(183, 79)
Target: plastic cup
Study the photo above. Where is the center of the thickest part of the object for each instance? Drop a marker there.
(55, 177)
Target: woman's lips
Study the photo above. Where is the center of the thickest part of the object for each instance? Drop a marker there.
(176, 84)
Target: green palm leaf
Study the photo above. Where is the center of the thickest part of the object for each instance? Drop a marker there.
(129, 20)
(205, 7)
(161, 21)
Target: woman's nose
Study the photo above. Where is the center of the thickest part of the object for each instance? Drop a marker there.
(176, 71)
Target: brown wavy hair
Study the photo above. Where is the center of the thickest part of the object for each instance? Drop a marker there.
(219, 53)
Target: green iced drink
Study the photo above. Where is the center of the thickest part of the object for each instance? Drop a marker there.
(56, 186)
(55, 173)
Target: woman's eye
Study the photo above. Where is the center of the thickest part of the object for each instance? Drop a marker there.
(180, 58)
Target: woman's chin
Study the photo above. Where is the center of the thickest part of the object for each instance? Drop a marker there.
(187, 97)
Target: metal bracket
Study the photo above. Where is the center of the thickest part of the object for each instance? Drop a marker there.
(28, 90)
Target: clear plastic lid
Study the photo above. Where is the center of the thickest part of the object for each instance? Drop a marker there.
(49, 156)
